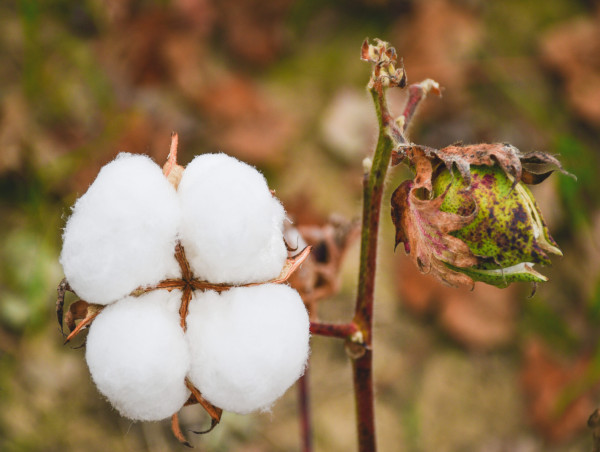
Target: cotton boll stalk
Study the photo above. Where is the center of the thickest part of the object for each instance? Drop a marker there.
(138, 356)
(232, 227)
(122, 232)
(248, 345)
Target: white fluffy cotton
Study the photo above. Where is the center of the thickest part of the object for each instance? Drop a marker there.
(122, 232)
(232, 227)
(138, 357)
(248, 345)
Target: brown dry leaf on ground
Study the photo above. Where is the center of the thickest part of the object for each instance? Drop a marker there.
(245, 122)
(254, 30)
(546, 382)
(186, 58)
(572, 50)
(481, 319)
(437, 42)
(131, 53)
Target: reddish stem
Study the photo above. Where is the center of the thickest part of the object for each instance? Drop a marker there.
(373, 183)
(362, 369)
(416, 93)
(340, 330)
(304, 408)
(415, 96)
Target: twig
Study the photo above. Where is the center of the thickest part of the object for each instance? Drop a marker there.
(340, 330)
(304, 409)
(416, 93)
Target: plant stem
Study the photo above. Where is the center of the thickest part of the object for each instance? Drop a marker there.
(340, 330)
(305, 411)
(373, 185)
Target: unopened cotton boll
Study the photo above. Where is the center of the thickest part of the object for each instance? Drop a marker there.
(232, 226)
(248, 345)
(122, 232)
(138, 357)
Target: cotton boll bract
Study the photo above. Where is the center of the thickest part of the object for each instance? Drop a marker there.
(138, 356)
(248, 345)
(232, 227)
(122, 232)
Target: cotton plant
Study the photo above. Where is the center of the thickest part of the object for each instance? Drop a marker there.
(199, 255)
(182, 277)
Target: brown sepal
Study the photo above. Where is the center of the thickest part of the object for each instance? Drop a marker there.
(291, 265)
(61, 290)
(77, 311)
(214, 412)
(425, 232)
(86, 315)
(196, 397)
(171, 169)
(176, 429)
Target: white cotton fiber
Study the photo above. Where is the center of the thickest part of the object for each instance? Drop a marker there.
(248, 345)
(138, 357)
(232, 227)
(122, 232)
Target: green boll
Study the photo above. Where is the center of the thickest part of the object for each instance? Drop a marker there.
(508, 233)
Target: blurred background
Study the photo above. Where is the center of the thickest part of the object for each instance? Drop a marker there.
(280, 85)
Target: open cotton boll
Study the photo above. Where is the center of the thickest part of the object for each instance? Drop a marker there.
(122, 232)
(248, 345)
(232, 227)
(138, 356)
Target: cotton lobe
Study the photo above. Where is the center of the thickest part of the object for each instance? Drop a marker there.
(122, 232)
(138, 357)
(248, 345)
(232, 227)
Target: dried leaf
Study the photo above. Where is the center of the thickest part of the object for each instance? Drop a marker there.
(319, 276)
(508, 157)
(425, 232)
(554, 408)
(571, 50)
(62, 289)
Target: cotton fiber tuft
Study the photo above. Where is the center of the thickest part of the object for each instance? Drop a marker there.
(248, 345)
(232, 226)
(122, 232)
(138, 357)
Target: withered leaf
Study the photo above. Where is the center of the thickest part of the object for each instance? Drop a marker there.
(319, 277)
(508, 157)
(61, 290)
(425, 232)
